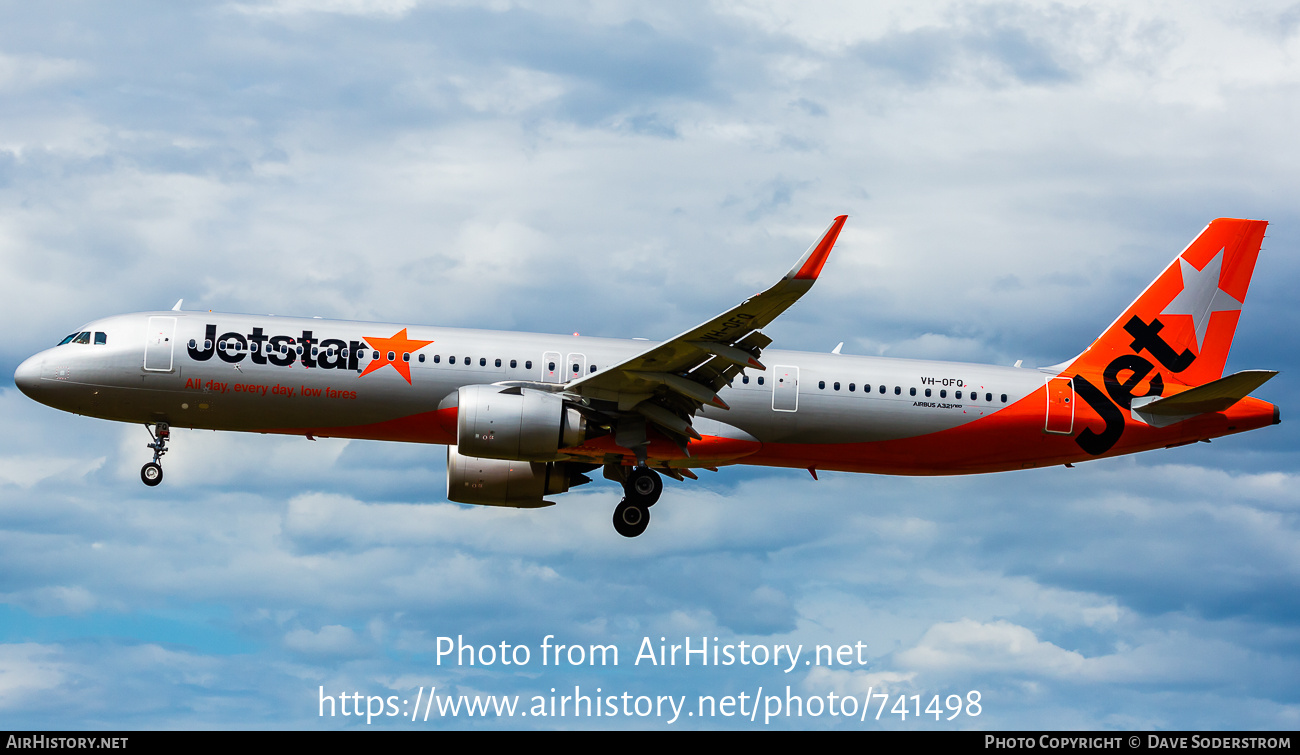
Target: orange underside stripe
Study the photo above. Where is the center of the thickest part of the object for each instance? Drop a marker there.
(1011, 438)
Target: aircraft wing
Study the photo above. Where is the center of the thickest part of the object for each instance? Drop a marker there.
(668, 382)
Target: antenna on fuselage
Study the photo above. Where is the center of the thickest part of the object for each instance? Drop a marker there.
(177, 308)
(836, 350)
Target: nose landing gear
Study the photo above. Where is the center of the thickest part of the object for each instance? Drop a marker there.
(151, 474)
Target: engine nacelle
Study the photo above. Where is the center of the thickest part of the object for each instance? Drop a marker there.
(497, 482)
(495, 422)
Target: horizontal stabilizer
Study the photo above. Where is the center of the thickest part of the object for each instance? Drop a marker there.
(1214, 396)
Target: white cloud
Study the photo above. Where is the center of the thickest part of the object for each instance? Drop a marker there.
(27, 669)
(26, 471)
(860, 684)
(24, 72)
(392, 8)
(972, 646)
(330, 640)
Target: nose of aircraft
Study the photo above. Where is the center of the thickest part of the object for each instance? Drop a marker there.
(28, 376)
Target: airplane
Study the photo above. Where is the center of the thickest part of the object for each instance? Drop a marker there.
(527, 416)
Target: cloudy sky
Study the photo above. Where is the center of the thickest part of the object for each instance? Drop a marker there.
(1014, 173)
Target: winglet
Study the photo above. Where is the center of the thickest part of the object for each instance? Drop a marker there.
(810, 264)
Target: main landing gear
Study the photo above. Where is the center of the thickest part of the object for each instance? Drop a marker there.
(641, 489)
(151, 474)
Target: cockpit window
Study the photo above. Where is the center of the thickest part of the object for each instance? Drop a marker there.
(68, 339)
(82, 337)
(101, 339)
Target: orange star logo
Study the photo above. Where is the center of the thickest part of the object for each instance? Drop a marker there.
(391, 351)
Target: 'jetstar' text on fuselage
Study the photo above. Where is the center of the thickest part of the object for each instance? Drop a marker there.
(279, 350)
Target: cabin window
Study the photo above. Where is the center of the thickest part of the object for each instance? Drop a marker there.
(498, 362)
(927, 393)
(208, 344)
(591, 368)
(882, 389)
(193, 345)
(958, 394)
(898, 391)
(744, 379)
(513, 364)
(451, 360)
(760, 379)
(314, 350)
(943, 394)
(482, 361)
(576, 368)
(392, 356)
(421, 357)
(988, 397)
(821, 384)
(101, 339)
(437, 358)
(550, 366)
(406, 356)
(836, 386)
(850, 387)
(528, 365)
(1004, 398)
(911, 391)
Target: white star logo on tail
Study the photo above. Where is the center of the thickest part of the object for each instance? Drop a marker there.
(1201, 296)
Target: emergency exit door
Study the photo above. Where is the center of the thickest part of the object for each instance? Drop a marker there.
(785, 388)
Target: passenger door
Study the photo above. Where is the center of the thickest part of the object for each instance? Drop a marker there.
(1060, 406)
(159, 342)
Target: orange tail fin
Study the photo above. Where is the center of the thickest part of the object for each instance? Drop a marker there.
(1185, 320)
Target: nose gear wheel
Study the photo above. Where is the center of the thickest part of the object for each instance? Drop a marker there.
(152, 473)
